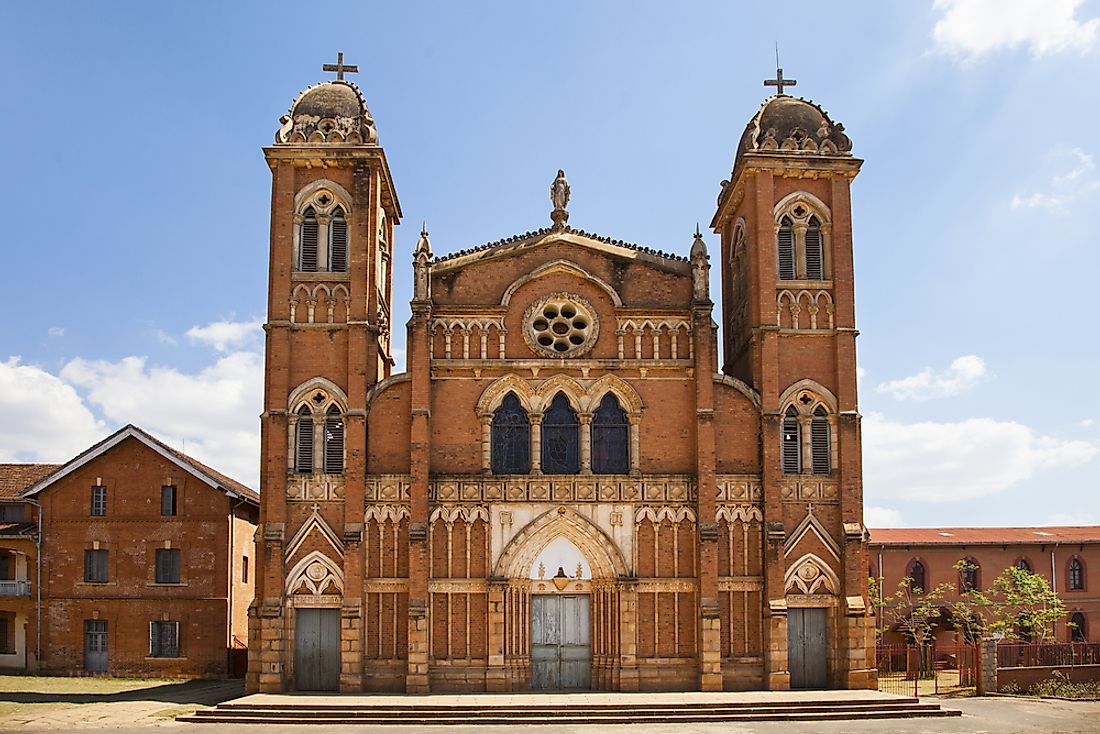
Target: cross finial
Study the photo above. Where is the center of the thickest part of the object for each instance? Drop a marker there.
(779, 82)
(340, 67)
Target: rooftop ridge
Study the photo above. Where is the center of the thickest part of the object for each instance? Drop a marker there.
(550, 230)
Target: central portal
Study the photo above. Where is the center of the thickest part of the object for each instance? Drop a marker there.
(561, 653)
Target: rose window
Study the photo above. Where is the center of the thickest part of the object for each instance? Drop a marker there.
(560, 325)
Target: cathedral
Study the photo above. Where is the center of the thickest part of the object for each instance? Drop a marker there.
(573, 486)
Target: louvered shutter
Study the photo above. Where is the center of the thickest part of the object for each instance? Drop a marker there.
(338, 243)
(785, 243)
(815, 256)
(334, 442)
(307, 245)
(303, 454)
(792, 444)
(819, 444)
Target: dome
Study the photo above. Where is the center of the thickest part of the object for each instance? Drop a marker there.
(793, 125)
(330, 112)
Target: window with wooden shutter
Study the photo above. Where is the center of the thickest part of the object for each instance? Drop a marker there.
(303, 442)
(815, 251)
(168, 566)
(338, 242)
(164, 639)
(334, 442)
(167, 500)
(785, 245)
(307, 242)
(95, 566)
(819, 442)
(792, 442)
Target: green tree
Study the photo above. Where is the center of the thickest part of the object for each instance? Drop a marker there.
(1017, 604)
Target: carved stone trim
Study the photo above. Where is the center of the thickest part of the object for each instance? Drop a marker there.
(813, 489)
(740, 583)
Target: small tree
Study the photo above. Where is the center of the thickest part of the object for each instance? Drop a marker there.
(1018, 602)
(911, 609)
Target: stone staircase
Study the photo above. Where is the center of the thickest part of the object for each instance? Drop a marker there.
(568, 709)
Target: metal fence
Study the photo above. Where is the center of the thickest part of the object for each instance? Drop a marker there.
(923, 670)
(1048, 654)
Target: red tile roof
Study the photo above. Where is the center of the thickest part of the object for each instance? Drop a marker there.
(14, 478)
(985, 536)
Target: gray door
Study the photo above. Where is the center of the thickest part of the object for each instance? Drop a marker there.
(807, 648)
(95, 645)
(561, 656)
(317, 649)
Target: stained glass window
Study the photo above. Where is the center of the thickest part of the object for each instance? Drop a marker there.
(610, 438)
(560, 438)
(511, 450)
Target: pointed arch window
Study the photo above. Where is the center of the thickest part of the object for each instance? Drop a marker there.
(334, 441)
(511, 445)
(1077, 631)
(307, 242)
(303, 441)
(1076, 574)
(815, 251)
(785, 245)
(338, 242)
(792, 442)
(1024, 565)
(610, 438)
(819, 442)
(970, 575)
(560, 438)
(918, 578)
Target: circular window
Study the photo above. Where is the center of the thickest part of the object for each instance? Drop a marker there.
(560, 325)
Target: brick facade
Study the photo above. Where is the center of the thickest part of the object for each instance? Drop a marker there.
(690, 557)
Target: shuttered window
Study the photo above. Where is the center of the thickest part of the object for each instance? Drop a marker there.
(164, 639)
(819, 442)
(303, 442)
(338, 242)
(167, 500)
(792, 443)
(815, 251)
(785, 244)
(95, 566)
(334, 442)
(307, 243)
(168, 566)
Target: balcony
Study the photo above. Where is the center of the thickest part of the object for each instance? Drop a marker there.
(15, 588)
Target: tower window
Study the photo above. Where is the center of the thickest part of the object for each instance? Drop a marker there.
(792, 442)
(307, 243)
(815, 255)
(610, 438)
(303, 442)
(334, 441)
(819, 442)
(560, 438)
(338, 242)
(511, 446)
(785, 244)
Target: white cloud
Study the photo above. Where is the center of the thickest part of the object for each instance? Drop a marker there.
(956, 461)
(226, 335)
(971, 29)
(963, 374)
(1065, 188)
(1086, 423)
(1071, 519)
(56, 331)
(881, 517)
(42, 419)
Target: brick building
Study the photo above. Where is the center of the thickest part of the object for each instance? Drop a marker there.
(1061, 555)
(572, 486)
(145, 557)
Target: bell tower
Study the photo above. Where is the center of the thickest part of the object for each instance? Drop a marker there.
(333, 212)
(784, 218)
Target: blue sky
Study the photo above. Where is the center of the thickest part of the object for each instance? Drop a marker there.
(138, 202)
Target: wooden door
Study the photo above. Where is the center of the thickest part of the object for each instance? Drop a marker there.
(317, 649)
(95, 645)
(561, 652)
(807, 648)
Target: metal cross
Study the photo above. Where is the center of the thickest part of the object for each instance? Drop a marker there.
(340, 67)
(779, 81)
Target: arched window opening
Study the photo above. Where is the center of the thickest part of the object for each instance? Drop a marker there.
(338, 242)
(1024, 565)
(334, 441)
(610, 438)
(918, 578)
(560, 438)
(815, 251)
(307, 242)
(969, 575)
(792, 442)
(785, 243)
(1077, 631)
(303, 441)
(511, 445)
(1076, 574)
(819, 442)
